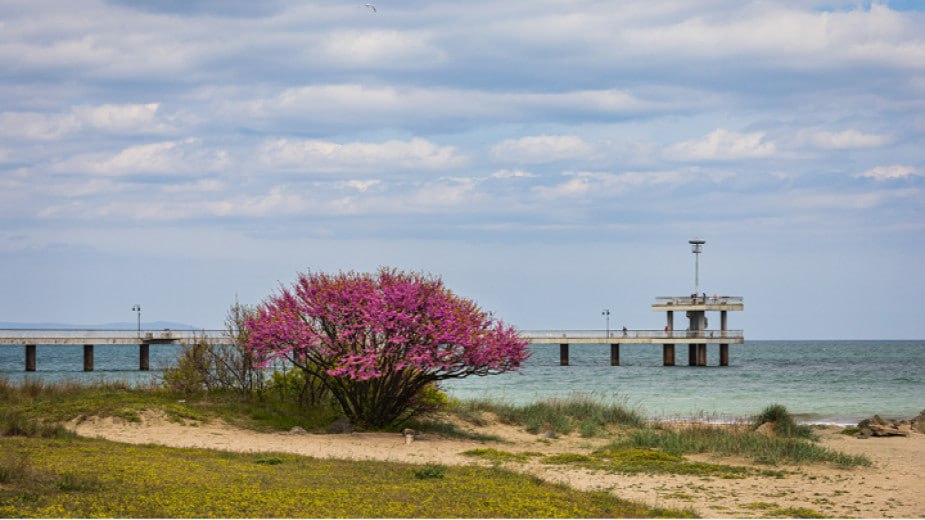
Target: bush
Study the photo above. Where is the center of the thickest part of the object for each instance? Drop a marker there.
(207, 366)
(784, 425)
(378, 341)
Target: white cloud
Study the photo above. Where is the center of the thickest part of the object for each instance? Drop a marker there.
(351, 104)
(721, 144)
(512, 174)
(541, 149)
(587, 184)
(331, 157)
(380, 49)
(798, 38)
(165, 158)
(892, 172)
(846, 139)
(361, 185)
(136, 118)
(129, 118)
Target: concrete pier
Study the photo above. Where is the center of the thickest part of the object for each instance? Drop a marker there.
(668, 355)
(30, 358)
(88, 358)
(614, 354)
(563, 354)
(144, 351)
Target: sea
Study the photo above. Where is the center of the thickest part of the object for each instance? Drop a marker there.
(833, 382)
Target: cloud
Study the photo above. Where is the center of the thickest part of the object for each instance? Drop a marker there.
(361, 185)
(512, 174)
(186, 157)
(327, 106)
(846, 139)
(892, 172)
(380, 49)
(791, 37)
(108, 119)
(330, 157)
(722, 145)
(541, 149)
(593, 184)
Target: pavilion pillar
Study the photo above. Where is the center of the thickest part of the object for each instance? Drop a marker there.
(563, 354)
(144, 351)
(723, 355)
(30, 358)
(88, 358)
(614, 354)
(668, 355)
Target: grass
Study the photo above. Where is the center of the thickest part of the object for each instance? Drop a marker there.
(723, 441)
(773, 510)
(561, 416)
(499, 456)
(784, 425)
(55, 402)
(95, 478)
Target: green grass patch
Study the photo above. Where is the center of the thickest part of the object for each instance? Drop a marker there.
(95, 478)
(51, 403)
(428, 472)
(494, 455)
(784, 425)
(448, 430)
(563, 416)
(722, 441)
(773, 510)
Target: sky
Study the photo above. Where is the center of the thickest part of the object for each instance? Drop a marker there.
(547, 159)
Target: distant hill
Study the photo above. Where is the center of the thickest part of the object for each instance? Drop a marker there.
(122, 325)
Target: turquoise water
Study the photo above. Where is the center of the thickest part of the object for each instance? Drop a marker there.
(825, 381)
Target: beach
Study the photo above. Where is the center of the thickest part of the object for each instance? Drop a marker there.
(891, 487)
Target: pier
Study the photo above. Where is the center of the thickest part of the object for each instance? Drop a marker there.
(31, 339)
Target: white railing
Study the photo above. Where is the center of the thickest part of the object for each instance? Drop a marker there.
(632, 334)
(698, 300)
(122, 334)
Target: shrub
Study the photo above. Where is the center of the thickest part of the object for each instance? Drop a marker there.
(377, 341)
(784, 425)
(206, 366)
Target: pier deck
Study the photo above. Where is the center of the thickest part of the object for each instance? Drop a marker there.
(696, 339)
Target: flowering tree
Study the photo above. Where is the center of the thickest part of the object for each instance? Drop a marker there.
(375, 341)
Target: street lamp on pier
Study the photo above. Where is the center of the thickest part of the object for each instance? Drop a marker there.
(606, 314)
(137, 308)
(696, 248)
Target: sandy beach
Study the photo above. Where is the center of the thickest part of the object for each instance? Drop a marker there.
(892, 487)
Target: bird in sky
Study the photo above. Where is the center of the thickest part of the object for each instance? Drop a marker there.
(371, 7)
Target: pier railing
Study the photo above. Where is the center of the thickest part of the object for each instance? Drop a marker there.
(632, 334)
(699, 300)
(89, 336)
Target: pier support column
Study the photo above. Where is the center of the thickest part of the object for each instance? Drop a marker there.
(563, 354)
(144, 357)
(692, 355)
(668, 355)
(723, 355)
(30, 358)
(702, 355)
(614, 354)
(88, 358)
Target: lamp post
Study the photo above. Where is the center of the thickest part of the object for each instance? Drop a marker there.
(137, 308)
(606, 314)
(696, 248)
